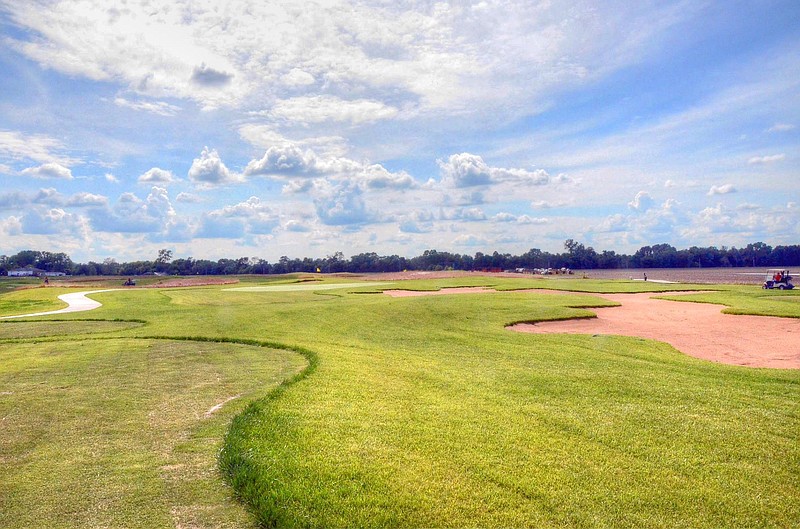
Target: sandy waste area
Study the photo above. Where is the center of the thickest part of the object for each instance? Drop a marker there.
(696, 329)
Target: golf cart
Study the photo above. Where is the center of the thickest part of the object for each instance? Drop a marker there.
(778, 278)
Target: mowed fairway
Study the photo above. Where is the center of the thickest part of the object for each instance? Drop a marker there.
(414, 412)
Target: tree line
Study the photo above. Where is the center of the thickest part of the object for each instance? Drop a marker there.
(575, 256)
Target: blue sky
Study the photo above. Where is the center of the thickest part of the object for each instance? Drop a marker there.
(261, 129)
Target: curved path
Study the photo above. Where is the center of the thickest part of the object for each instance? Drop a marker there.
(76, 302)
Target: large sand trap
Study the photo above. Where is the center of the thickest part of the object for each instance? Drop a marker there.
(697, 329)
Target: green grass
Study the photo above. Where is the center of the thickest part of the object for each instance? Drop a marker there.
(10, 329)
(113, 433)
(31, 300)
(753, 300)
(414, 412)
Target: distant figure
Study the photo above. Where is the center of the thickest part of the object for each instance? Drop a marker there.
(645, 276)
(46, 280)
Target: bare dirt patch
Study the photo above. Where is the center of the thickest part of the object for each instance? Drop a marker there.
(700, 330)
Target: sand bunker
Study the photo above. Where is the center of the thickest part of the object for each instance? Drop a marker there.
(697, 329)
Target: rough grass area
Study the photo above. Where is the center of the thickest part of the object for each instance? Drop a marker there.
(752, 300)
(419, 412)
(12, 329)
(114, 433)
(31, 300)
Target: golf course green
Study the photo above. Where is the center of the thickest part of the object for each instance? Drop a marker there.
(329, 404)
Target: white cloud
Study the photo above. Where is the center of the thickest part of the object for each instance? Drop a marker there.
(266, 136)
(86, 200)
(504, 217)
(467, 170)
(762, 160)
(208, 170)
(157, 175)
(318, 109)
(154, 107)
(37, 147)
(723, 189)
(547, 204)
(153, 216)
(111, 178)
(341, 205)
(52, 221)
(432, 56)
(781, 127)
(473, 214)
(188, 198)
(50, 170)
(642, 201)
(288, 160)
(257, 217)
(296, 226)
(297, 77)
(285, 160)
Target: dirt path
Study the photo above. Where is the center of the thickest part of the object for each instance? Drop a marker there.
(697, 329)
(76, 302)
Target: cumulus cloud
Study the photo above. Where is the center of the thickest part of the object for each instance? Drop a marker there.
(111, 178)
(51, 222)
(467, 170)
(157, 175)
(378, 177)
(723, 189)
(341, 205)
(642, 201)
(154, 216)
(208, 170)
(288, 160)
(763, 160)
(249, 217)
(50, 170)
(473, 214)
(86, 200)
(285, 160)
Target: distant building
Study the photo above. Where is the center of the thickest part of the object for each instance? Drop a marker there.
(28, 271)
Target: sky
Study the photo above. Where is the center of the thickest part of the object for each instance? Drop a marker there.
(261, 128)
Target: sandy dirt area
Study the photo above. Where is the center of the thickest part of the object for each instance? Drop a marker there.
(697, 329)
